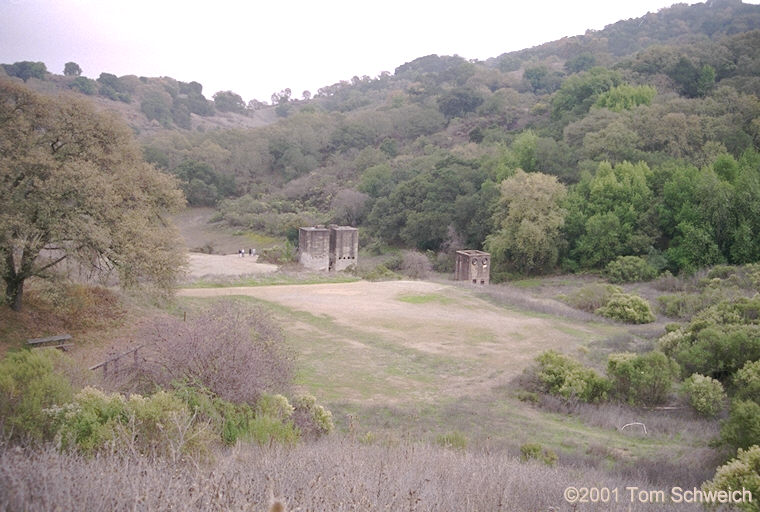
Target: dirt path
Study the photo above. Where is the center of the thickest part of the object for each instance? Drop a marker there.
(201, 265)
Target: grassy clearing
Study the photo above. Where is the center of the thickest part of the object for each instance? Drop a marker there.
(447, 364)
(426, 299)
(274, 279)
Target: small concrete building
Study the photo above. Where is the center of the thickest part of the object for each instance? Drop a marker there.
(473, 266)
(344, 247)
(330, 249)
(314, 247)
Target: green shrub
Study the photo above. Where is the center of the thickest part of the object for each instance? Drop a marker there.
(742, 472)
(721, 272)
(29, 384)
(641, 379)
(534, 451)
(159, 424)
(718, 341)
(563, 376)
(686, 305)
(742, 428)
(629, 269)
(591, 296)
(630, 309)
(747, 381)
(380, 273)
(275, 406)
(264, 429)
(279, 255)
(706, 395)
(270, 419)
(312, 419)
(453, 440)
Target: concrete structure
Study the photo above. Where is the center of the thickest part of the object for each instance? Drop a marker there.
(314, 247)
(473, 266)
(344, 247)
(330, 249)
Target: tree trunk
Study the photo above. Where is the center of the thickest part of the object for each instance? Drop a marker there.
(14, 292)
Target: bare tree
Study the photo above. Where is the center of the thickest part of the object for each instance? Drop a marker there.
(234, 350)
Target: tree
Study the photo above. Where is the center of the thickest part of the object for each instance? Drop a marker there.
(26, 69)
(72, 69)
(529, 218)
(74, 185)
(228, 101)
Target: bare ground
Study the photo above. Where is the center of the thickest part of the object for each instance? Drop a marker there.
(203, 265)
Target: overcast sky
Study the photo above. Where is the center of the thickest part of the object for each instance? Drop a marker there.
(257, 48)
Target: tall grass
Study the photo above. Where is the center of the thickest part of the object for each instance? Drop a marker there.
(334, 474)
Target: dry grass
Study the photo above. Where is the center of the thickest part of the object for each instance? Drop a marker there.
(334, 474)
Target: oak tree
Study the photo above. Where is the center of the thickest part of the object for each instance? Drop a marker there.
(74, 186)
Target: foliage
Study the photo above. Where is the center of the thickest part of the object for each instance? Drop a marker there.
(74, 182)
(312, 419)
(626, 97)
(627, 308)
(610, 214)
(705, 394)
(228, 101)
(270, 420)
(528, 218)
(203, 186)
(578, 92)
(26, 70)
(84, 85)
(627, 269)
(740, 473)
(159, 424)
(235, 352)
(459, 102)
(719, 340)
(742, 428)
(671, 176)
(747, 381)
(114, 88)
(641, 379)
(534, 451)
(563, 376)
(72, 69)
(29, 384)
(591, 297)
(380, 273)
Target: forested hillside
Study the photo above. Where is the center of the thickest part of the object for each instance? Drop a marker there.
(637, 140)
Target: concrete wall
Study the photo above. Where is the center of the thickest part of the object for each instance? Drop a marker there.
(314, 248)
(329, 249)
(344, 247)
(473, 267)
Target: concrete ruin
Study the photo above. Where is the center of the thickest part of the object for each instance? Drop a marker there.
(332, 249)
(473, 266)
(314, 247)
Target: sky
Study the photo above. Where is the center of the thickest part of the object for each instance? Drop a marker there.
(257, 48)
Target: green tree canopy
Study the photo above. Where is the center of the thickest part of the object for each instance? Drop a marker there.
(72, 69)
(528, 220)
(74, 185)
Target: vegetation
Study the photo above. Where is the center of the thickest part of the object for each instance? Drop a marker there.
(642, 379)
(75, 187)
(626, 153)
(706, 395)
(563, 376)
(742, 472)
(627, 308)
